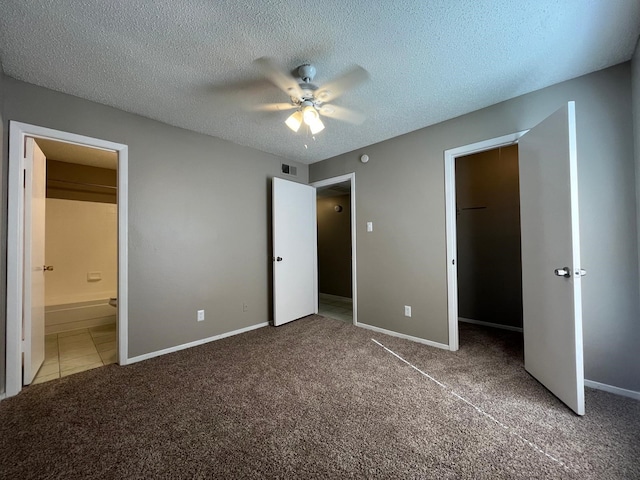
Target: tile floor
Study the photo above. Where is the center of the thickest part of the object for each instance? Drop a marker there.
(76, 351)
(332, 306)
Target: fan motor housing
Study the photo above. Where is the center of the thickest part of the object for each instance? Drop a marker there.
(307, 72)
(308, 90)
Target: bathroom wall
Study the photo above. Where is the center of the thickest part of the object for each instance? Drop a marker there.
(334, 246)
(81, 237)
(488, 235)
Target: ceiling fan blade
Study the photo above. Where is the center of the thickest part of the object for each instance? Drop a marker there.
(346, 81)
(278, 77)
(273, 107)
(341, 113)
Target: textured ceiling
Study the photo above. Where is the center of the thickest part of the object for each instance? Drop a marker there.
(189, 62)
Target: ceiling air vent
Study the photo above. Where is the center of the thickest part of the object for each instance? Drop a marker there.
(289, 170)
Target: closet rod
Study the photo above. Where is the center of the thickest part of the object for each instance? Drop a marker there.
(82, 183)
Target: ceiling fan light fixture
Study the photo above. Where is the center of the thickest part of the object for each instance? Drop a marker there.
(294, 121)
(316, 126)
(306, 98)
(310, 115)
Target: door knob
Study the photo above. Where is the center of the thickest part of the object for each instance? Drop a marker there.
(47, 268)
(278, 259)
(563, 272)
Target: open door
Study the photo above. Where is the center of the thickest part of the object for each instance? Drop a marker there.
(34, 217)
(551, 270)
(295, 277)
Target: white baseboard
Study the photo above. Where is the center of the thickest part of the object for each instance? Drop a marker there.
(611, 389)
(489, 324)
(195, 343)
(402, 335)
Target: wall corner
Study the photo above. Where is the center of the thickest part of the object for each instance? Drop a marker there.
(635, 105)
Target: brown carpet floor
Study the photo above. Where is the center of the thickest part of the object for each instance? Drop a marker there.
(317, 398)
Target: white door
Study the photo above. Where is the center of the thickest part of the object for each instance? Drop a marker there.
(551, 270)
(295, 277)
(34, 218)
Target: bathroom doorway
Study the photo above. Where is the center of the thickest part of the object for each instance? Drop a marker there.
(81, 259)
(26, 260)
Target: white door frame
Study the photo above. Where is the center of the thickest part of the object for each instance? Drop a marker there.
(15, 251)
(351, 177)
(450, 219)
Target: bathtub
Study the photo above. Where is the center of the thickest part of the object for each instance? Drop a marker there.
(73, 316)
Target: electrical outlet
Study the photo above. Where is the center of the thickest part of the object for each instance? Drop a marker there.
(200, 315)
(245, 307)
(407, 311)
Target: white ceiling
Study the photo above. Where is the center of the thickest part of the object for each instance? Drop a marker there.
(428, 60)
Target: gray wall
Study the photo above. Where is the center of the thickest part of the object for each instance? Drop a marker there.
(4, 155)
(401, 189)
(488, 237)
(635, 97)
(190, 248)
(334, 246)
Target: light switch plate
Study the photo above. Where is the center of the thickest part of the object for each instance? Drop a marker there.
(407, 311)
(200, 315)
(369, 226)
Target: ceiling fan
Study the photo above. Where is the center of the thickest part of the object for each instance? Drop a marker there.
(308, 99)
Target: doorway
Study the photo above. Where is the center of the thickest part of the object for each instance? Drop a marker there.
(337, 293)
(451, 218)
(19, 277)
(81, 273)
(550, 240)
(488, 240)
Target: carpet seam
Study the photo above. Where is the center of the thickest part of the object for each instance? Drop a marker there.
(510, 430)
